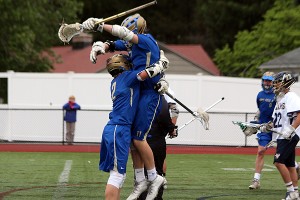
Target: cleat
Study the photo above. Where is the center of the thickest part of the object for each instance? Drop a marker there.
(154, 187)
(254, 185)
(139, 188)
(165, 183)
(291, 196)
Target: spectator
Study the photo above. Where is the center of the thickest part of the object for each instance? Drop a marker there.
(70, 117)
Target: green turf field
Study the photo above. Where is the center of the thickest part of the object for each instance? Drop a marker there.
(45, 176)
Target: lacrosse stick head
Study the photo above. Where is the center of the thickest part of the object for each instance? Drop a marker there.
(203, 117)
(247, 128)
(67, 31)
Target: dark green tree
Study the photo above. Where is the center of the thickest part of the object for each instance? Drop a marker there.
(212, 23)
(278, 33)
(28, 30)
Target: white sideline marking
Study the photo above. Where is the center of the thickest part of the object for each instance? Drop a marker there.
(271, 166)
(63, 180)
(245, 169)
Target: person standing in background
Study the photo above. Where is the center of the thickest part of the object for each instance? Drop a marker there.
(70, 116)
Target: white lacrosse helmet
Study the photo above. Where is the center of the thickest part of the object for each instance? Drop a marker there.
(283, 80)
(117, 64)
(136, 23)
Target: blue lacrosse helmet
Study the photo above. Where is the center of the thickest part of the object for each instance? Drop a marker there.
(268, 76)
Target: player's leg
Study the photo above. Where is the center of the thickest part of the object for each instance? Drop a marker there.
(284, 160)
(114, 185)
(164, 174)
(158, 146)
(149, 107)
(263, 140)
(114, 156)
(141, 147)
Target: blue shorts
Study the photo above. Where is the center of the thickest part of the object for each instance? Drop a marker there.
(264, 138)
(149, 108)
(114, 149)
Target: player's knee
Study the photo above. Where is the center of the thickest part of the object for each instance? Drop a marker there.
(116, 179)
(261, 152)
(139, 144)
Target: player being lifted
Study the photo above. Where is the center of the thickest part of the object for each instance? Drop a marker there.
(143, 51)
(265, 101)
(116, 137)
(286, 120)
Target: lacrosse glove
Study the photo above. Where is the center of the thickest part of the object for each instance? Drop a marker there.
(97, 48)
(162, 86)
(174, 134)
(90, 24)
(266, 127)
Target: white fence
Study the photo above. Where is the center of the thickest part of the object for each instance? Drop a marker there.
(33, 112)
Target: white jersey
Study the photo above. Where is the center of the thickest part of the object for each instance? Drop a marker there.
(283, 112)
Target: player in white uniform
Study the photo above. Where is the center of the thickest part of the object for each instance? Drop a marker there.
(286, 120)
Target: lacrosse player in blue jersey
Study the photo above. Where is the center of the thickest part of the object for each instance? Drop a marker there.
(116, 137)
(265, 101)
(145, 55)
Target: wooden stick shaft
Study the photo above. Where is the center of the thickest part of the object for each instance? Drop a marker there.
(126, 12)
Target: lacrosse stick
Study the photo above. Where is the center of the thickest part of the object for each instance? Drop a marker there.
(252, 127)
(207, 109)
(67, 31)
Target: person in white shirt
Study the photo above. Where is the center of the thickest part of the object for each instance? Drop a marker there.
(286, 120)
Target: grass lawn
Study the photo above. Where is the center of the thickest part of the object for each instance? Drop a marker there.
(36, 176)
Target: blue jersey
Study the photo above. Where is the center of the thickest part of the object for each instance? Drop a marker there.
(265, 103)
(142, 55)
(125, 90)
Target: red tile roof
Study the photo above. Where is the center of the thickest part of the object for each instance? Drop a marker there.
(197, 55)
(77, 60)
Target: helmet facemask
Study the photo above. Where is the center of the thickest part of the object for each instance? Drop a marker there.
(283, 81)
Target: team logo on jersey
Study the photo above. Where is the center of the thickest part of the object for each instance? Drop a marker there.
(277, 155)
(280, 106)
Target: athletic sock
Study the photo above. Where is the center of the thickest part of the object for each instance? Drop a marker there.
(151, 174)
(289, 187)
(139, 174)
(257, 176)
